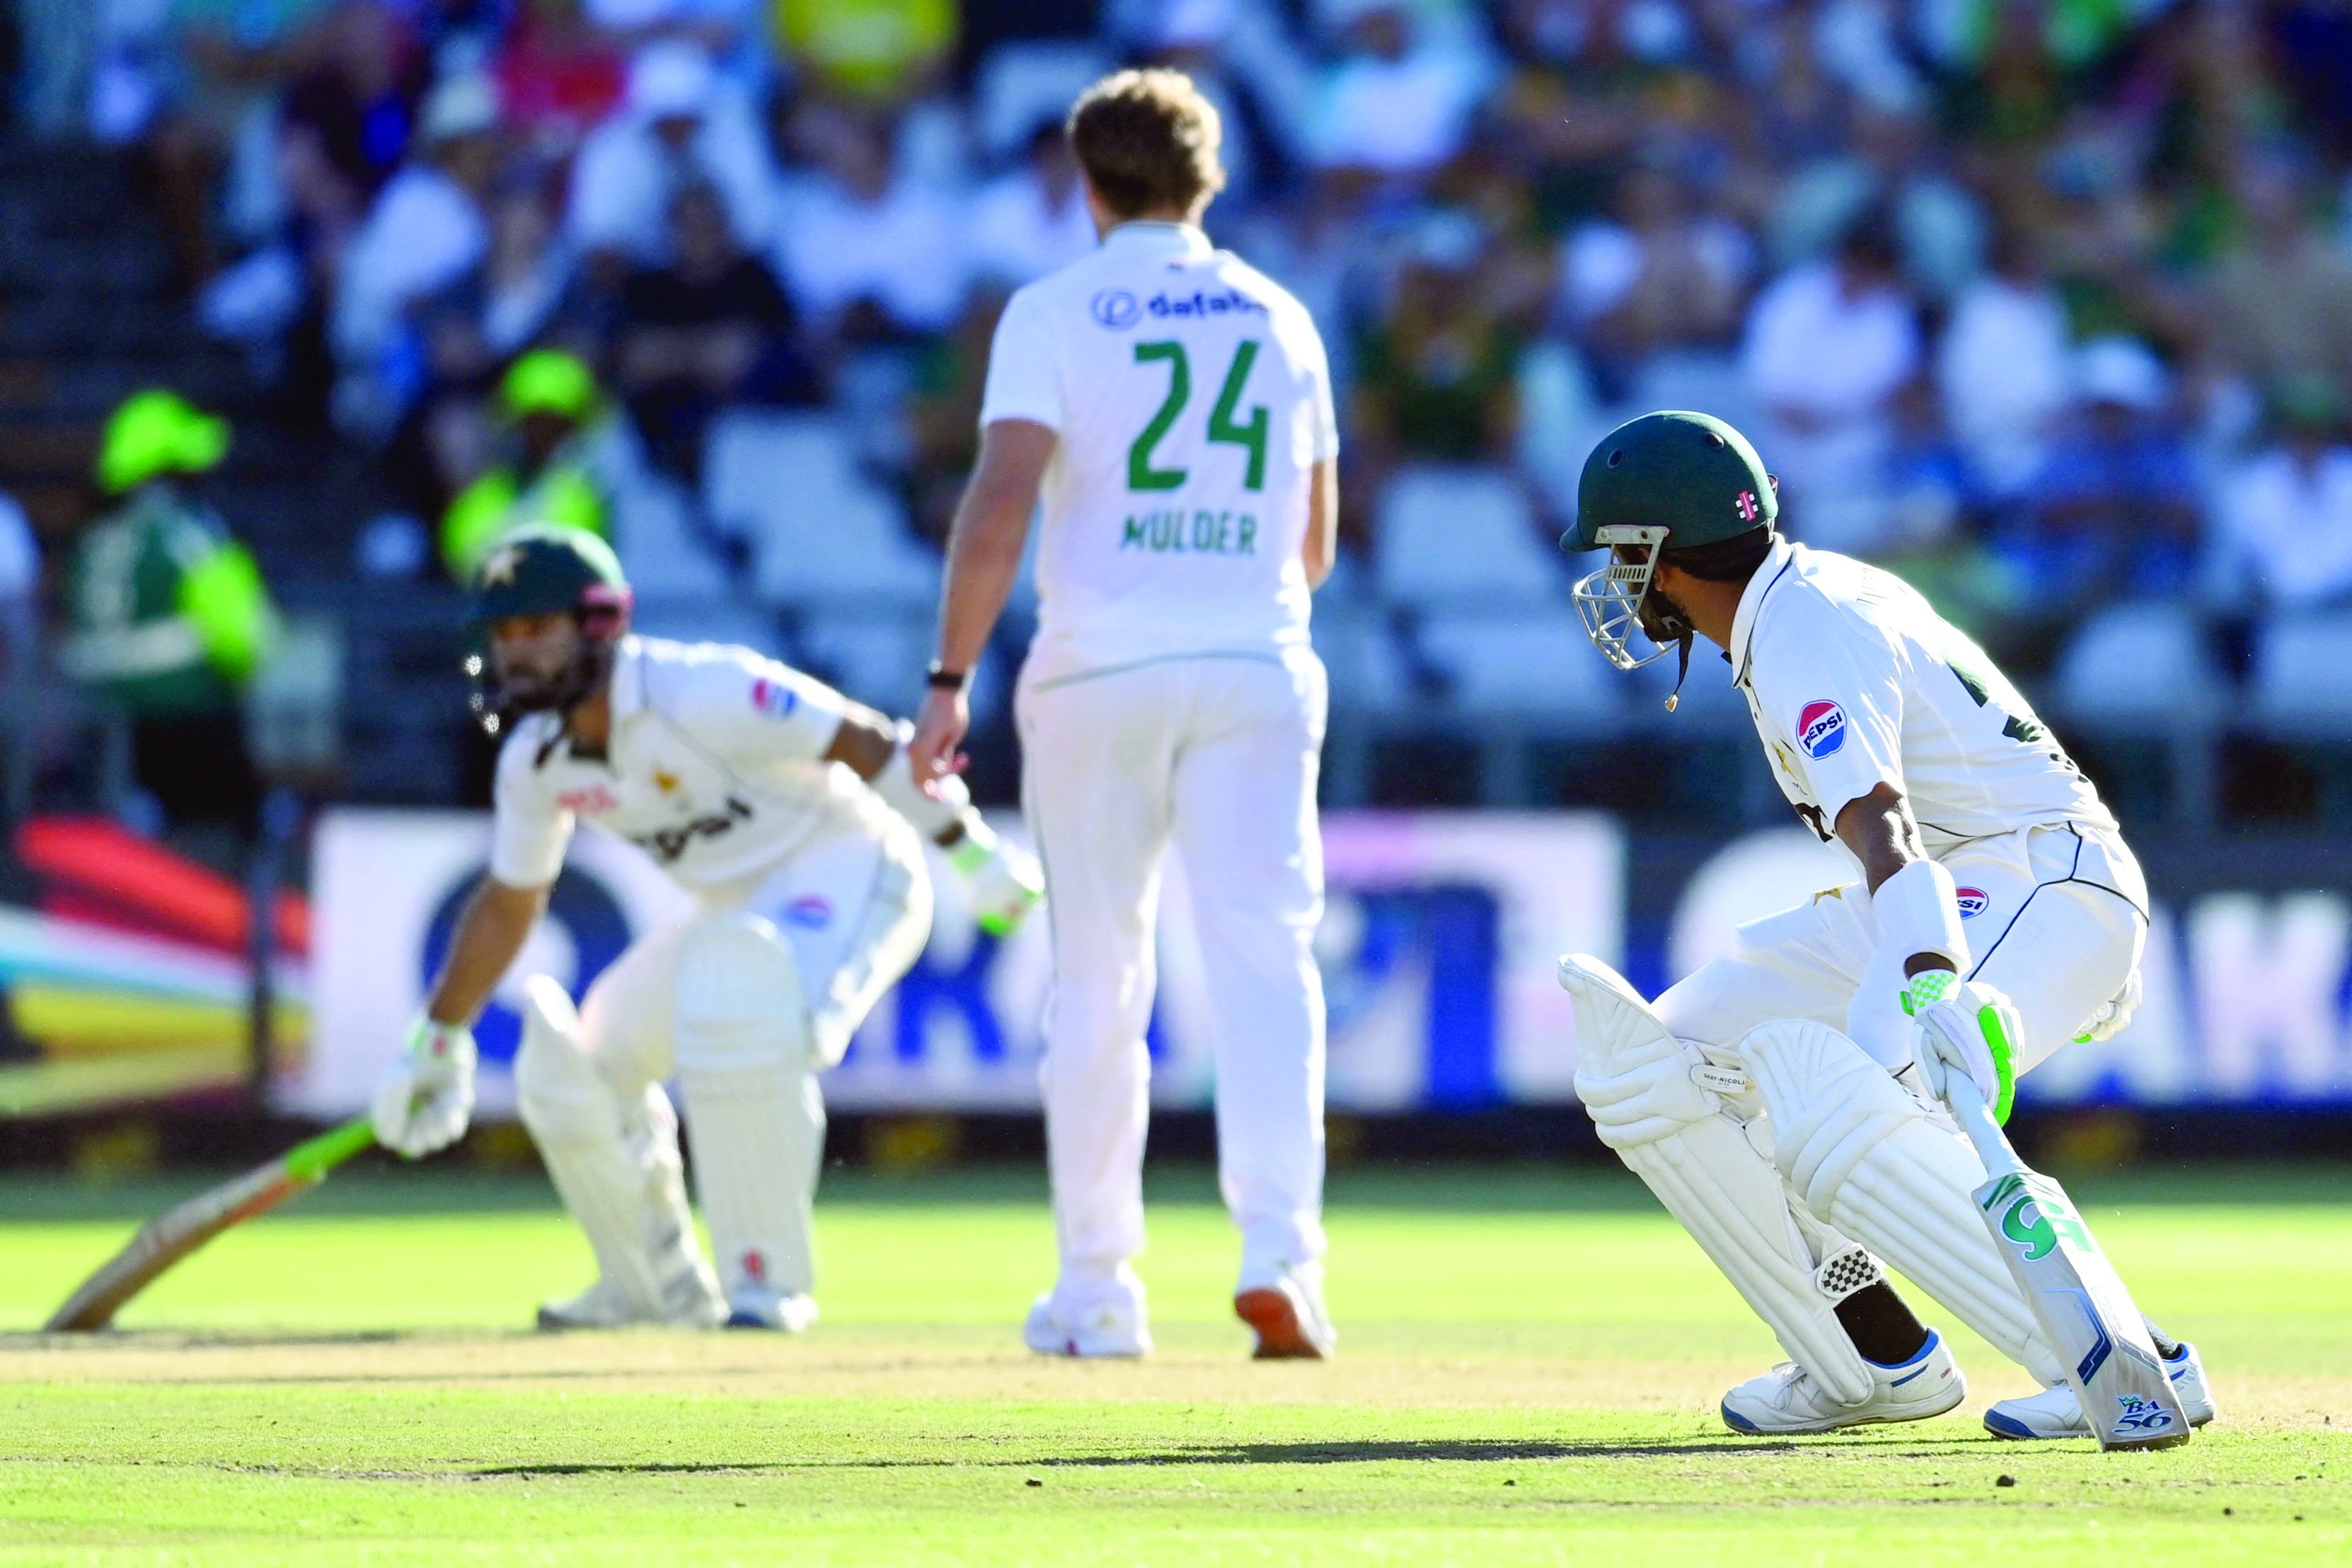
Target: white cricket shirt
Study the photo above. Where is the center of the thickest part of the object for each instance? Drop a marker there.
(1192, 398)
(714, 768)
(1854, 681)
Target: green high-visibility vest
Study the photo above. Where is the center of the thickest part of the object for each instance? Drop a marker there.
(498, 503)
(168, 613)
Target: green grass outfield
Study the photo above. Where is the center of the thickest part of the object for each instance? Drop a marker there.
(1528, 1373)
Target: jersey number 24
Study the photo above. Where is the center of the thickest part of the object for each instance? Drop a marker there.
(1247, 434)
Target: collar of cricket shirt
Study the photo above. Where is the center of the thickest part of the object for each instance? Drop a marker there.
(629, 677)
(1776, 566)
(1157, 236)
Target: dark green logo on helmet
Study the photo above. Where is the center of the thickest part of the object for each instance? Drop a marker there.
(541, 570)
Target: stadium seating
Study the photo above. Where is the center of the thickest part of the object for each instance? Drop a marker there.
(2300, 692)
(2137, 667)
(1536, 666)
(1462, 535)
(788, 486)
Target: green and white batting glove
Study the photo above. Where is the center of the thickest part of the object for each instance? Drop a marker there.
(426, 1096)
(1002, 881)
(1968, 1028)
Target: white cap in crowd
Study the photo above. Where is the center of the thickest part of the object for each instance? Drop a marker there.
(2119, 369)
(670, 81)
(459, 106)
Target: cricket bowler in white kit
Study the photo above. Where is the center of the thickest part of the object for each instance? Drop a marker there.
(1173, 407)
(1785, 1101)
(791, 814)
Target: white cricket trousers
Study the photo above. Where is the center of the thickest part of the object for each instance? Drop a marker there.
(2055, 917)
(854, 907)
(1216, 755)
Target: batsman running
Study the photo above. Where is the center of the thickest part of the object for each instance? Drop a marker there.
(1788, 1102)
(788, 811)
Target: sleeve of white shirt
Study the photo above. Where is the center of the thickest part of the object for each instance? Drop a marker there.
(1837, 692)
(750, 709)
(1024, 371)
(529, 832)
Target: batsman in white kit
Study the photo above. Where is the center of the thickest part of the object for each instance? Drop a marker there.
(1175, 407)
(1788, 1102)
(790, 814)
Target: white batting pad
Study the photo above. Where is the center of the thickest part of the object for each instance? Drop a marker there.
(625, 1198)
(1863, 1155)
(752, 1107)
(1637, 1083)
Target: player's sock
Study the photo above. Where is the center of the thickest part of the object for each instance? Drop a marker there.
(1882, 1325)
(2165, 1345)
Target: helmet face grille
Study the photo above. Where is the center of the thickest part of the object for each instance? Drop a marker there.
(1608, 601)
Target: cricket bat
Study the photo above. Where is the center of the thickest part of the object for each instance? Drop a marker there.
(165, 1241)
(2074, 1292)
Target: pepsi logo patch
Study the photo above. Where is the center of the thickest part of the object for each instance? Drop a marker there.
(774, 698)
(811, 912)
(1820, 729)
(1973, 901)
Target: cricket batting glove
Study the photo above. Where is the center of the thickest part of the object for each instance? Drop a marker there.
(426, 1096)
(1964, 1029)
(2112, 1014)
(1002, 881)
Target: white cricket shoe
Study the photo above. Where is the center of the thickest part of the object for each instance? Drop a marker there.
(690, 1301)
(1787, 1400)
(1101, 1320)
(2056, 1413)
(794, 1314)
(1287, 1312)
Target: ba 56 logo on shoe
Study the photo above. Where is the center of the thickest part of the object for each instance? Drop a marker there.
(1820, 729)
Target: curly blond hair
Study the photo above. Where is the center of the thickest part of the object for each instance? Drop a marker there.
(1149, 142)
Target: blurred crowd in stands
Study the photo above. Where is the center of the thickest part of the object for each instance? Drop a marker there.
(2048, 302)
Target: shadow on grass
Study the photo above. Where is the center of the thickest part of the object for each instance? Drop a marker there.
(1369, 1451)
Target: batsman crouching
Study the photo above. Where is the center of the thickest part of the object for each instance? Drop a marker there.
(788, 813)
(1785, 1102)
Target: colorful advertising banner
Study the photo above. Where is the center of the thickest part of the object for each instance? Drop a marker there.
(126, 974)
(1437, 952)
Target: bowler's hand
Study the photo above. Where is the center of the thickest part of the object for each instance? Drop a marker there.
(940, 729)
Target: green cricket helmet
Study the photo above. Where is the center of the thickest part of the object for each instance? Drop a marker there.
(545, 570)
(1669, 482)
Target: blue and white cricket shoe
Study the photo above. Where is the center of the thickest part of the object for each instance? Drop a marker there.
(794, 1314)
(2056, 1413)
(1787, 1400)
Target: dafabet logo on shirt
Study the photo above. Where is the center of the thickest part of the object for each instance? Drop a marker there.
(1820, 728)
(1115, 309)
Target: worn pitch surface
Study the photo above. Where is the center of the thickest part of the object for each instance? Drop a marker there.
(1528, 1374)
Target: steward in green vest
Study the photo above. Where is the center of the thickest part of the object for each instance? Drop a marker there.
(549, 399)
(169, 614)
(168, 619)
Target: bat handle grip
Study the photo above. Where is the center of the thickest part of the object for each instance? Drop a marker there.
(1976, 1120)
